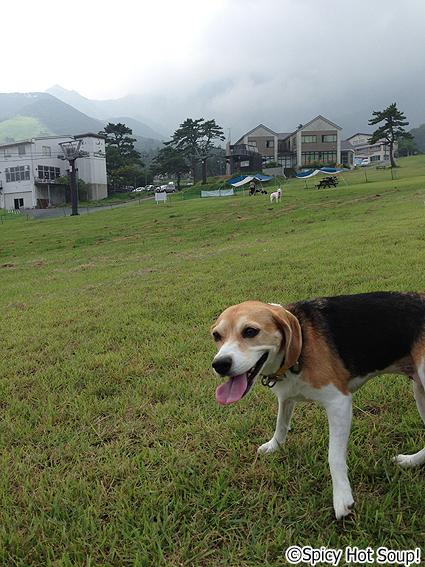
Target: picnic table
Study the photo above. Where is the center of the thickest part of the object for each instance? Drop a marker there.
(328, 182)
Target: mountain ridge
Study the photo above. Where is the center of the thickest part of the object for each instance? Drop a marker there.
(28, 115)
(107, 110)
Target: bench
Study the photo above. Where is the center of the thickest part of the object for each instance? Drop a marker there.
(327, 182)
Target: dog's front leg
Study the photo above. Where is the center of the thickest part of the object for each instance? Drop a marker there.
(284, 415)
(340, 413)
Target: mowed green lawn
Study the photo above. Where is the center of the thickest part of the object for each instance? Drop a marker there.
(113, 448)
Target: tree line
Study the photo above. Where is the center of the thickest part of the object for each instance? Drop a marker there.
(191, 144)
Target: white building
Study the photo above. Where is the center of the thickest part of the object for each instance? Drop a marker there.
(29, 168)
(379, 152)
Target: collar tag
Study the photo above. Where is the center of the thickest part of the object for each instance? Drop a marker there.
(271, 380)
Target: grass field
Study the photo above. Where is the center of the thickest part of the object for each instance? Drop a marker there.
(113, 449)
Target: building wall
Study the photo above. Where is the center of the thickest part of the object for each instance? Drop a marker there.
(92, 168)
(320, 141)
(23, 164)
(28, 169)
(265, 140)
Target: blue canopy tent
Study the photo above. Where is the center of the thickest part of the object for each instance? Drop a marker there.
(323, 171)
(242, 179)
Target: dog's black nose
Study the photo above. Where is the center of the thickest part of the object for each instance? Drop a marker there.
(222, 365)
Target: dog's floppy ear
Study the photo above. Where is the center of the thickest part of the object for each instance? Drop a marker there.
(292, 331)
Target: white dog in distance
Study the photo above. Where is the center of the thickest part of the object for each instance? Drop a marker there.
(276, 196)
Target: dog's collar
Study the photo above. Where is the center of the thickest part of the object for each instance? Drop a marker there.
(271, 380)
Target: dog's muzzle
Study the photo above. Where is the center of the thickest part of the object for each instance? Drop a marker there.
(236, 387)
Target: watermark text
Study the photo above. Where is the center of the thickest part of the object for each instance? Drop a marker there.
(353, 555)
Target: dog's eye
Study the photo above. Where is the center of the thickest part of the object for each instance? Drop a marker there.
(216, 337)
(250, 332)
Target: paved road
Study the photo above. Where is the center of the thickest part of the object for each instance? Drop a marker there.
(38, 214)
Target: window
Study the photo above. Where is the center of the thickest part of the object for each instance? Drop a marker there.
(7, 152)
(270, 144)
(375, 158)
(308, 139)
(323, 157)
(21, 150)
(329, 138)
(47, 172)
(20, 173)
(46, 151)
(252, 142)
(285, 161)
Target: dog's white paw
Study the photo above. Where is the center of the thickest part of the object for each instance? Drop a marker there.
(270, 447)
(342, 509)
(405, 461)
(408, 461)
(343, 505)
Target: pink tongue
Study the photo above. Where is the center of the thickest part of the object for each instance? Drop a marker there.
(232, 390)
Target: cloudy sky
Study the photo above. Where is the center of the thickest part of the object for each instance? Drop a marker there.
(241, 62)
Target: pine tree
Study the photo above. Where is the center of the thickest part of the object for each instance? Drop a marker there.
(392, 130)
(194, 139)
(120, 147)
(170, 161)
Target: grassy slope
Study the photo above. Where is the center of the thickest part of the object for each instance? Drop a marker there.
(21, 128)
(113, 450)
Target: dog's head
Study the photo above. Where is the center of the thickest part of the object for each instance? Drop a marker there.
(252, 338)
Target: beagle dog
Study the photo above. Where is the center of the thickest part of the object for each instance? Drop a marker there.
(322, 350)
(276, 196)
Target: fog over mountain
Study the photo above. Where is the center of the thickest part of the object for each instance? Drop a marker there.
(239, 62)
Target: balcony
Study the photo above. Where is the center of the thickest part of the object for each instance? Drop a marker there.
(44, 182)
(243, 150)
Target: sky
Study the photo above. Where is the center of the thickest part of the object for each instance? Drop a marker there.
(240, 62)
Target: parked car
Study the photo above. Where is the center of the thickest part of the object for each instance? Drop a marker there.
(138, 189)
(365, 162)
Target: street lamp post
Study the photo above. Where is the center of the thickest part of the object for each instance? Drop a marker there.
(71, 151)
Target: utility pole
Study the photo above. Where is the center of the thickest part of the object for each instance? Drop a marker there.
(71, 151)
(204, 169)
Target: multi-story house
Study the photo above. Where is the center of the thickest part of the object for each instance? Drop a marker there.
(317, 141)
(29, 169)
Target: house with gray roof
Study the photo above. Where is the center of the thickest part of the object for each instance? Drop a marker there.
(316, 141)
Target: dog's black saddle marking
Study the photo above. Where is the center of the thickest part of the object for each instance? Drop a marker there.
(369, 331)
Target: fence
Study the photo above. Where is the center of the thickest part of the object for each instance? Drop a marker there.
(12, 215)
(218, 193)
